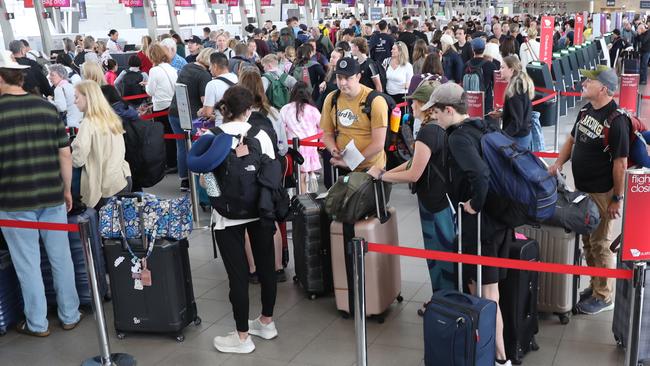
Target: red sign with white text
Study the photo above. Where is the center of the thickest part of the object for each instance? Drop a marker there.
(133, 3)
(546, 40)
(324, 3)
(299, 2)
(233, 2)
(580, 27)
(388, 3)
(184, 3)
(265, 2)
(475, 104)
(500, 86)
(48, 3)
(628, 94)
(636, 243)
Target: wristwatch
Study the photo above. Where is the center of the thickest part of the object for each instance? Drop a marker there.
(617, 198)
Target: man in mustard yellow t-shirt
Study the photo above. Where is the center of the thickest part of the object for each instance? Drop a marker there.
(346, 121)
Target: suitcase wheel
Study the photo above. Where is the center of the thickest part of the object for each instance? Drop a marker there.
(180, 338)
(619, 342)
(344, 314)
(533, 345)
(3, 333)
(564, 318)
(197, 321)
(312, 296)
(295, 279)
(400, 298)
(120, 335)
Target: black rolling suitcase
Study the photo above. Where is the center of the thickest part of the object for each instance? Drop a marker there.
(631, 62)
(311, 245)
(77, 253)
(518, 302)
(158, 301)
(11, 300)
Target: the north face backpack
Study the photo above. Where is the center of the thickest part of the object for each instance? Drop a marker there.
(237, 179)
(277, 92)
(517, 177)
(262, 122)
(636, 127)
(301, 73)
(473, 78)
(145, 152)
(131, 83)
(352, 197)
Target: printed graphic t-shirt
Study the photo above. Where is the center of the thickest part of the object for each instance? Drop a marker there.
(351, 123)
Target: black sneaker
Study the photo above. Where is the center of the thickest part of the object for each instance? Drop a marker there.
(253, 279)
(280, 275)
(185, 185)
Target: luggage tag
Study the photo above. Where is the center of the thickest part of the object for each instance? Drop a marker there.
(579, 198)
(145, 274)
(137, 285)
(136, 271)
(241, 150)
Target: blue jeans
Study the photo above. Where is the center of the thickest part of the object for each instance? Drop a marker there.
(639, 152)
(181, 149)
(26, 257)
(645, 57)
(524, 142)
(439, 232)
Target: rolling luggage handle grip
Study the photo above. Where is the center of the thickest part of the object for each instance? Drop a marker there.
(479, 268)
(380, 200)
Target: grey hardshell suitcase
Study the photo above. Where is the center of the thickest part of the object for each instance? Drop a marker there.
(557, 292)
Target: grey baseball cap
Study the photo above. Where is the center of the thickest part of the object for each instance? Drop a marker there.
(446, 94)
(606, 75)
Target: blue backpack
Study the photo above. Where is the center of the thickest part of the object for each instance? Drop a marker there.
(517, 176)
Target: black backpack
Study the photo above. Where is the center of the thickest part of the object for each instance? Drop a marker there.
(145, 151)
(237, 178)
(80, 58)
(131, 83)
(381, 70)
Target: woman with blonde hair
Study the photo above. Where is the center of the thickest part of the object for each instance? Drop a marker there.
(518, 106)
(93, 71)
(529, 51)
(290, 57)
(102, 52)
(99, 147)
(399, 72)
(143, 54)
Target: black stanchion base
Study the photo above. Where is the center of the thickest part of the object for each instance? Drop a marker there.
(118, 359)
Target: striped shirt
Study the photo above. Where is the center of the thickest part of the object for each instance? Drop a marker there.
(31, 135)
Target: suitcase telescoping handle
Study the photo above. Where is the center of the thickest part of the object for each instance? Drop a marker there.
(479, 268)
(380, 200)
(296, 167)
(120, 214)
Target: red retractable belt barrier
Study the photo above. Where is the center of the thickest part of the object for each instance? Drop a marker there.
(135, 97)
(500, 262)
(154, 115)
(311, 141)
(39, 225)
(542, 154)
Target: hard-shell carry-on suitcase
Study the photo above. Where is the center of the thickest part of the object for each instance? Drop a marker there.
(311, 245)
(459, 329)
(622, 309)
(77, 253)
(383, 276)
(11, 299)
(557, 292)
(518, 301)
(163, 302)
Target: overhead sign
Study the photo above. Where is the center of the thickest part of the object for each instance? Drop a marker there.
(325, 3)
(636, 210)
(376, 14)
(644, 5)
(133, 3)
(48, 3)
(611, 3)
(184, 3)
(233, 2)
(546, 40)
(265, 3)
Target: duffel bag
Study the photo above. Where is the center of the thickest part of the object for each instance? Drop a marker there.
(575, 211)
(352, 198)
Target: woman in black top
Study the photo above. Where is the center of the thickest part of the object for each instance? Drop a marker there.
(426, 170)
(315, 70)
(518, 105)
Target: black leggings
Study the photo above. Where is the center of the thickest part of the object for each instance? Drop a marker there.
(231, 245)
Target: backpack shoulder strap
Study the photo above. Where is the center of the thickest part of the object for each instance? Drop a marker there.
(284, 77)
(230, 83)
(366, 106)
(335, 98)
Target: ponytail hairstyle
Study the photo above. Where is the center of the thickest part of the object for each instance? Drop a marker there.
(520, 83)
(301, 96)
(235, 102)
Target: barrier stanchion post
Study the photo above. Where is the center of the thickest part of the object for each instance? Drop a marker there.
(556, 142)
(296, 171)
(359, 250)
(194, 192)
(105, 357)
(634, 333)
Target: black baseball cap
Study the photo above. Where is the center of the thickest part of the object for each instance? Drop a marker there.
(347, 66)
(194, 39)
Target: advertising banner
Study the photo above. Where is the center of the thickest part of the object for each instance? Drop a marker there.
(636, 210)
(233, 2)
(325, 3)
(578, 34)
(265, 3)
(628, 94)
(603, 23)
(546, 40)
(475, 104)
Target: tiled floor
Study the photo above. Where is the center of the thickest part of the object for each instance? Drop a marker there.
(311, 332)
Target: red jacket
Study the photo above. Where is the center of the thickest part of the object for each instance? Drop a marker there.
(146, 63)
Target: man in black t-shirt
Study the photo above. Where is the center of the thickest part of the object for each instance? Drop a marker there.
(599, 169)
(370, 70)
(381, 43)
(409, 38)
(463, 47)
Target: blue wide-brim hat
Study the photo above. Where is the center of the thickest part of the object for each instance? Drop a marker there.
(208, 152)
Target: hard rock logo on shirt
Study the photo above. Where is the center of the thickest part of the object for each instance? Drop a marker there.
(590, 128)
(346, 117)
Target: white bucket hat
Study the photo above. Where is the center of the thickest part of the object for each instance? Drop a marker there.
(7, 61)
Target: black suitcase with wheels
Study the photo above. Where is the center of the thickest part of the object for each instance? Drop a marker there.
(311, 245)
(168, 305)
(11, 299)
(518, 302)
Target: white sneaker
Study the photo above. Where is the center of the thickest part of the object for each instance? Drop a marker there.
(266, 331)
(233, 344)
(508, 363)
